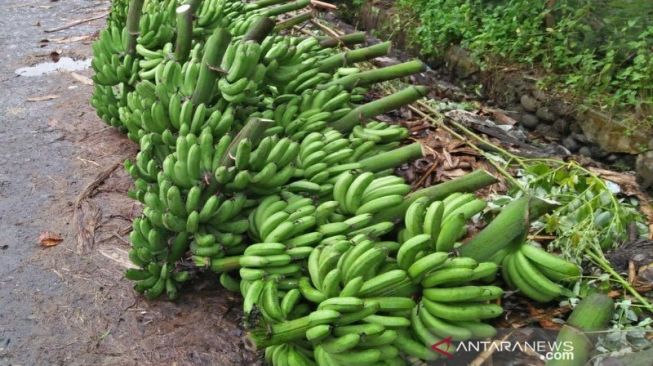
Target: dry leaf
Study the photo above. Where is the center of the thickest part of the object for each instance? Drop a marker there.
(42, 98)
(81, 78)
(49, 239)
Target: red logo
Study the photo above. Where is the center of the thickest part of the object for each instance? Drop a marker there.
(437, 347)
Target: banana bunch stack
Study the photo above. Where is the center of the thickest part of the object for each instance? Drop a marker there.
(258, 162)
(537, 273)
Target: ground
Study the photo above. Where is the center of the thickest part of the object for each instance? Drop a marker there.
(69, 304)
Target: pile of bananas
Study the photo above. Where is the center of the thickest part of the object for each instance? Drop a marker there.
(260, 162)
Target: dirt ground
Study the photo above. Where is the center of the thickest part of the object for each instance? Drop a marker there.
(69, 304)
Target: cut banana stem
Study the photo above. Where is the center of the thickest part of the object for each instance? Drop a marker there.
(214, 50)
(379, 106)
(291, 22)
(259, 30)
(133, 27)
(511, 224)
(592, 314)
(263, 3)
(392, 158)
(288, 7)
(379, 75)
(345, 40)
(353, 56)
(184, 32)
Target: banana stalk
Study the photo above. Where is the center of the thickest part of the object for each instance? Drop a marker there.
(345, 40)
(467, 183)
(350, 57)
(379, 75)
(592, 314)
(215, 48)
(285, 332)
(510, 226)
(263, 3)
(288, 7)
(261, 28)
(379, 106)
(291, 22)
(133, 20)
(392, 159)
(184, 32)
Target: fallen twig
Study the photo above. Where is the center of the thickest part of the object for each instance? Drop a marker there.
(84, 236)
(323, 5)
(76, 22)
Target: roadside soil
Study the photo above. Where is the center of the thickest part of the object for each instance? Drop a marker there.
(69, 304)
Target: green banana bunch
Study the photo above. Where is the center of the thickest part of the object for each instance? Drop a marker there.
(155, 251)
(157, 24)
(150, 60)
(360, 194)
(118, 13)
(443, 221)
(244, 73)
(106, 102)
(109, 62)
(380, 132)
(537, 274)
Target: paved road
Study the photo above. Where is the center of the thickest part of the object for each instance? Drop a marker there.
(58, 307)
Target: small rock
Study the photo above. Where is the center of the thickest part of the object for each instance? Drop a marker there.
(561, 108)
(598, 153)
(575, 127)
(529, 103)
(571, 144)
(546, 130)
(644, 168)
(540, 95)
(529, 121)
(545, 114)
(580, 137)
(561, 126)
(585, 151)
(612, 158)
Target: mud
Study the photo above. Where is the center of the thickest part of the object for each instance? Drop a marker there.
(57, 306)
